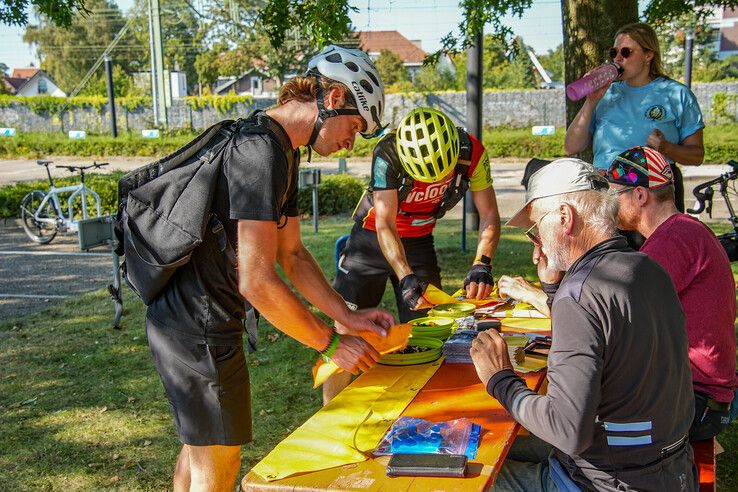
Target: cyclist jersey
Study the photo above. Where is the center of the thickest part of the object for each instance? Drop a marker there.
(421, 204)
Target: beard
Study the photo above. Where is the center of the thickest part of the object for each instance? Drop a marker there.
(555, 247)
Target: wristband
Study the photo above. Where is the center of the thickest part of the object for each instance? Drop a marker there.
(483, 259)
(331, 348)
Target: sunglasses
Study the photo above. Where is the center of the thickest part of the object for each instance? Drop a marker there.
(624, 189)
(625, 52)
(532, 233)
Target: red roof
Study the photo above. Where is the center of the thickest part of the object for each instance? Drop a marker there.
(375, 41)
(23, 73)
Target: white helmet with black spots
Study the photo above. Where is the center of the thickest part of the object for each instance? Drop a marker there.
(354, 69)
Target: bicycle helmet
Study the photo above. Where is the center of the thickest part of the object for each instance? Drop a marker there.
(355, 70)
(428, 144)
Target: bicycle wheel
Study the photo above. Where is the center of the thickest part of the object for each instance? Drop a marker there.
(41, 232)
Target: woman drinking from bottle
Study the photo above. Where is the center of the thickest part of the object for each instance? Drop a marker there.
(642, 107)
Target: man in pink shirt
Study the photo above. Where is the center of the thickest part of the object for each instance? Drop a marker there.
(699, 267)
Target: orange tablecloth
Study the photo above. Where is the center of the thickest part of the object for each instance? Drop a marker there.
(453, 392)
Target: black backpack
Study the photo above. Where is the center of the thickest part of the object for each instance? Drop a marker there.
(164, 208)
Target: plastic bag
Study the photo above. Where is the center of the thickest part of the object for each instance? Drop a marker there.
(415, 436)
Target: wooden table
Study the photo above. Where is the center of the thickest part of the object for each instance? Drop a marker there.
(454, 391)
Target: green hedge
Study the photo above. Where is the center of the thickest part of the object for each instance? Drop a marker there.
(721, 143)
(337, 194)
(38, 145)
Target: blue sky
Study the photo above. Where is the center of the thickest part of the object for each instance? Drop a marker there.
(427, 21)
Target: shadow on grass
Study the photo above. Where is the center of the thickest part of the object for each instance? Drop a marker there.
(82, 408)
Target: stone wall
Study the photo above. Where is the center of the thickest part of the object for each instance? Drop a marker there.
(521, 108)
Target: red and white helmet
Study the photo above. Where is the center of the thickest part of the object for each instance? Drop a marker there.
(354, 69)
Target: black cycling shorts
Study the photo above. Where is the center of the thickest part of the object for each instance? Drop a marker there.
(363, 270)
(207, 387)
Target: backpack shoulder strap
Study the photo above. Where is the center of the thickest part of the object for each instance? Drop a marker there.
(263, 121)
(465, 149)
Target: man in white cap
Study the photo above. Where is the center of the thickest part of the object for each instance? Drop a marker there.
(619, 402)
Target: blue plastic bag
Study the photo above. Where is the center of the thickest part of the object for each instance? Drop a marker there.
(412, 435)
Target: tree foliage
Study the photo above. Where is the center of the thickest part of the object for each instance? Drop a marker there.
(504, 65)
(67, 54)
(659, 11)
(320, 22)
(180, 33)
(235, 39)
(553, 63)
(60, 12)
(391, 68)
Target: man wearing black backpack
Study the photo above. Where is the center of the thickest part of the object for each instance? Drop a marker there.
(195, 325)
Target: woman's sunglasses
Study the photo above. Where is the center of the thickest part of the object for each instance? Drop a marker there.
(625, 52)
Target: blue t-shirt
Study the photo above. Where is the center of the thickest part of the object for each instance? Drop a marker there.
(626, 115)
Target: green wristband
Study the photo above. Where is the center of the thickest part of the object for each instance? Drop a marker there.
(332, 346)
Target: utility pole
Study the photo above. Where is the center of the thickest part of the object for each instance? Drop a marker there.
(111, 96)
(157, 64)
(474, 75)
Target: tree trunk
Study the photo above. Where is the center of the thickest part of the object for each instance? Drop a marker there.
(589, 31)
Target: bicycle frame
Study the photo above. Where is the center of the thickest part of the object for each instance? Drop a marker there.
(68, 221)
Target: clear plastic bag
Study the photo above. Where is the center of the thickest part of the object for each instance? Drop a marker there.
(415, 436)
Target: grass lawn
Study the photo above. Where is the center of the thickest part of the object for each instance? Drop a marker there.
(82, 408)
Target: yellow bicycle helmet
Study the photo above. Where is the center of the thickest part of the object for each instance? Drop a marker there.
(428, 144)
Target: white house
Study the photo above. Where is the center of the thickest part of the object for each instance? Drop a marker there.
(252, 82)
(726, 21)
(32, 82)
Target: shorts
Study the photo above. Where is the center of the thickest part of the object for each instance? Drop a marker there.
(207, 387)
(363, 270)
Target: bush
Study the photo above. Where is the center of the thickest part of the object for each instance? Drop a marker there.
(720, 144)
(37, 145)
(337, 194)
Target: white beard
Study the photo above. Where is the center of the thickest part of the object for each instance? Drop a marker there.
(555, 249)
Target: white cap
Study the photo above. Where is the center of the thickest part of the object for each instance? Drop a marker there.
(557, 178)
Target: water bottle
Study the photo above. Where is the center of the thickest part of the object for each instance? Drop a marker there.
(597, 78)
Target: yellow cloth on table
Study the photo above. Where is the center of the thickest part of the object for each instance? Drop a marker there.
(349, 428)
(527, 324)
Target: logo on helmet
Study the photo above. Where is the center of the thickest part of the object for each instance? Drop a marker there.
(360, 95)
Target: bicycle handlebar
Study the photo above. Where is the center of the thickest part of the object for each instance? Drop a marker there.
(704, 198)
(82, 168)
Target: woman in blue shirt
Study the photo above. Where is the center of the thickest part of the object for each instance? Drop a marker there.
(642, 107)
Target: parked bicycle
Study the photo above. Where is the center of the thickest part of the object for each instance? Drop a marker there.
(42, 214)
(704, 194)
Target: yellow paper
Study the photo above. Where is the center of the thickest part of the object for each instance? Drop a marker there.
(396, 339)
(493, 297)
(348, 428)
(527, 324)
(436, 296)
